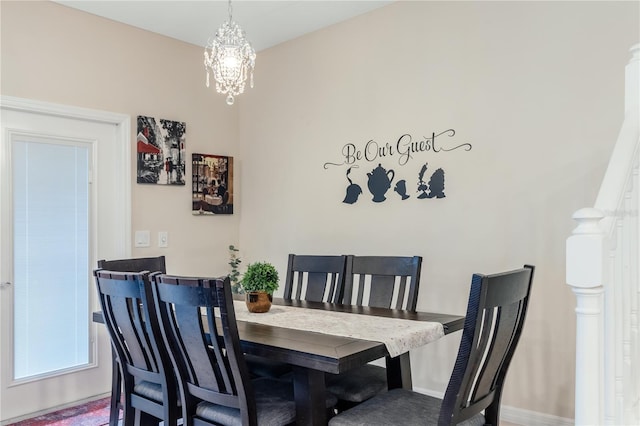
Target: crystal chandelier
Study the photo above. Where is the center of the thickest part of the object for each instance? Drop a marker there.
(229, 57)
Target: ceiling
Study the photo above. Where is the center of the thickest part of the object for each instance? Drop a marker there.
(265, 22)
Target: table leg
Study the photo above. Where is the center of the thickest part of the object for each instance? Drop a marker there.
(399, 372)
(310, 394)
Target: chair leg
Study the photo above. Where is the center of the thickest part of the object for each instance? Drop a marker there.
(130, 416)
(146, 419)
(116, 390)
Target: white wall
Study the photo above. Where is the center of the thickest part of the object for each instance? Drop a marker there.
(535, 87)
(58, 54)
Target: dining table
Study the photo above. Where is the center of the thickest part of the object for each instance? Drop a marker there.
(314, 354)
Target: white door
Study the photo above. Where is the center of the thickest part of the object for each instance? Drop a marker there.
(65, 185)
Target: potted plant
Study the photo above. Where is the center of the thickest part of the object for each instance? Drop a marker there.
(259, 282)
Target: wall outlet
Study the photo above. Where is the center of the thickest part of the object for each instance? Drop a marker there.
(142, 239)
(163, 239)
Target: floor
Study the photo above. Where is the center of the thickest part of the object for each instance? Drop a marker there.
(93, 413)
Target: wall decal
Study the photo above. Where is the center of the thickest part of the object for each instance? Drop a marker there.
(353, 190)
(401, 189)
(212, 184)
(405, 149)
(422, 185)
(160, 151)
(379, 182)
(436, 184)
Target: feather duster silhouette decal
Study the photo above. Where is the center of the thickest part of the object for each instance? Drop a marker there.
(353, 190)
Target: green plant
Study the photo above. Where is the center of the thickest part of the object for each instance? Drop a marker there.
(260, 276)
(234, 276)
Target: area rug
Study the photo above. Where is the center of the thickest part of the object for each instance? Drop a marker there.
(94, 413)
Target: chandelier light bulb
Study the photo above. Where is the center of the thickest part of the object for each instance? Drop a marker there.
(230, 58)
(230, 61)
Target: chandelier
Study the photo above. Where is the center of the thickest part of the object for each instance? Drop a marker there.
(229, 57)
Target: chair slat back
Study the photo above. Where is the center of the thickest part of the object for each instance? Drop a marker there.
(152, 264)
(495, 316)
(315, 278)
(132, 328)
(205, 352)
(382, 281)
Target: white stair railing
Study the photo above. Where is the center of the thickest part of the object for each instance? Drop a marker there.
(603, 271)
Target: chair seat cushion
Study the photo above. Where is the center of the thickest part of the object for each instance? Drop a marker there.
(152, 391)
(274, 403)
(397, 407)
(358, 385)
(149, 390)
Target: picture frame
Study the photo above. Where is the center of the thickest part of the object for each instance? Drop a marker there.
(160, 148)
(212, 184)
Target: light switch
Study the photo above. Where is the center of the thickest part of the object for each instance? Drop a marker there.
(142, 239)
(163, 239)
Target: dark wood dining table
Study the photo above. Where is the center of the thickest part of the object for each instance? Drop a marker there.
(313, 354)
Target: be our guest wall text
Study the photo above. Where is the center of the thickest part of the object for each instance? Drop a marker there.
(405, 151)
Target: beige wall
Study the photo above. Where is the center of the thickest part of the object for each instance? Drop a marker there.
(536, 88)
(57, 54)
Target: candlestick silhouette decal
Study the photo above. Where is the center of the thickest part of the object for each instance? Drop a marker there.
(422, 185)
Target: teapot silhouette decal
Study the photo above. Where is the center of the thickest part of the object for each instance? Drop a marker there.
(379, 182)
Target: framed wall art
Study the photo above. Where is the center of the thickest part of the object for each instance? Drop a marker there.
(160, 151)
(212, 184)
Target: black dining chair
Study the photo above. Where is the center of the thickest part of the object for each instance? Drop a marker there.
(148, 382)
(496, 312)
(379, 281)
(316, 278)
(138, 264)
(382, 281)
(215, 383)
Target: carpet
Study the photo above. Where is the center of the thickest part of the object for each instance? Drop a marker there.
(94, 413)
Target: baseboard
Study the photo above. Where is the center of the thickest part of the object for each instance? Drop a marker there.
(517, 416)
(523, 417)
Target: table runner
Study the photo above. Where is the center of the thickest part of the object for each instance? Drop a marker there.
(398, 335)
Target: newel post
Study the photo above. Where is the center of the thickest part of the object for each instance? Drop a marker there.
(585, 275)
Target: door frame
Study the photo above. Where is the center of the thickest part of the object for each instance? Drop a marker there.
(120, 217)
